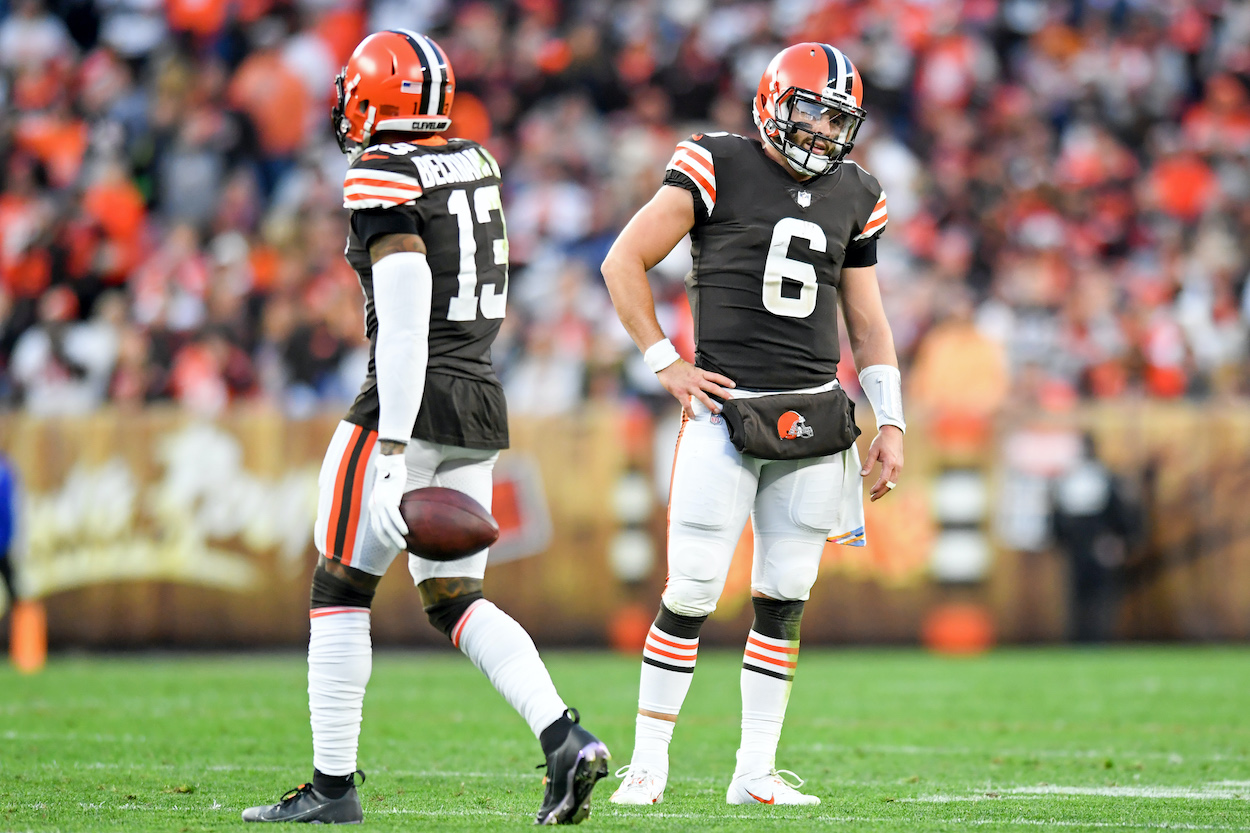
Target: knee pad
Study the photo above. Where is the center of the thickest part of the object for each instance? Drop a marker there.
(445, 614)
(678, 624)
(687, 597)
(697, 568)
(331, 591)
(777, 619)
(789, 569)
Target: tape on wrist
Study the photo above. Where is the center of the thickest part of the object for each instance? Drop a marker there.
(660, 355)
(883, 386)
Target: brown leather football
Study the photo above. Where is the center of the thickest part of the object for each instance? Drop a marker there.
(445, 524)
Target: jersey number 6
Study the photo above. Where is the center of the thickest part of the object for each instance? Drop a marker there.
(494, 298)
(781, 266)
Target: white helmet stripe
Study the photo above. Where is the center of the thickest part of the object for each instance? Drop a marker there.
(836, 58)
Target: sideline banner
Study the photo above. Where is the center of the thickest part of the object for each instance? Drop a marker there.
(153, 529)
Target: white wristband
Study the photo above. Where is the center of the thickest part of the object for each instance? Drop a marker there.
(660, 355)
(883, 385)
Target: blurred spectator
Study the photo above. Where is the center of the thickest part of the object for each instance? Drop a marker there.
(61, 366)
(31, 37)
(1094, 525)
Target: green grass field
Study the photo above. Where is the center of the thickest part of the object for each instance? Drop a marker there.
(890, 740)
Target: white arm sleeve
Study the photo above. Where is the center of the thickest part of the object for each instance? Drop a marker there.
(402, 286)
(883, 385)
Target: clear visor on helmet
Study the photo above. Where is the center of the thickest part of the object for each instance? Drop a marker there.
(823, 126)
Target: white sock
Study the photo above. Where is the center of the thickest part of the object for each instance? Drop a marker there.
(767, 675)
(340, 659)
(667, 670)
(504, 652)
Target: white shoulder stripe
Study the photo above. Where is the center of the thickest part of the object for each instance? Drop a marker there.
(380, 191)
(696, 164)
(701, 152)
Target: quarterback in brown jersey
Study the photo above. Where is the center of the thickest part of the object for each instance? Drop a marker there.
(782, 230)
(428, 242)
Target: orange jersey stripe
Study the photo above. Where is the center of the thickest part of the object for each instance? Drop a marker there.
(381, 183)
(875, 224)
(771, 661)
(336, 505)
(668, 511)
(687, 155)
(696, 175)
(353, 518)
(753, 641)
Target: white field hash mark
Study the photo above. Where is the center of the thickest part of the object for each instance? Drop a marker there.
(1215, 791)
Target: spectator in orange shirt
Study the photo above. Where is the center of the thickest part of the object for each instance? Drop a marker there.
(274, 99)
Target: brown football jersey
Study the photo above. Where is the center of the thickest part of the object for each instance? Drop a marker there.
(768, 256)
(448, 193)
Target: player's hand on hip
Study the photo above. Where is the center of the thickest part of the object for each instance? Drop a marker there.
(389, 479)
(886, 449)
(683, 380)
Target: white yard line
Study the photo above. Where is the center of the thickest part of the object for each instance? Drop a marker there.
(1216, 791)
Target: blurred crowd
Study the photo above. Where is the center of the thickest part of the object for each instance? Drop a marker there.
(1068, 187)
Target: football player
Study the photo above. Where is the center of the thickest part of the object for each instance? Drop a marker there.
(783, 230)
(428, 242)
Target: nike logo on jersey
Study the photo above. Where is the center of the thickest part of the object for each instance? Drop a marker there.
(771, 799)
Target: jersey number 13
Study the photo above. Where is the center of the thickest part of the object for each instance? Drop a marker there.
(464, 305)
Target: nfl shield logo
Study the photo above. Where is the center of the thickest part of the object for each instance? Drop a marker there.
(803, 198)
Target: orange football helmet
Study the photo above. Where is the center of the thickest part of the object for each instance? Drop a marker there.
(803, 85)
(395, 80)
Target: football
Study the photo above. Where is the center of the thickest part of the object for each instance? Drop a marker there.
(445, 524)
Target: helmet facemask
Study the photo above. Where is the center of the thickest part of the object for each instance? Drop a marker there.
(338, 113)
(796, 111)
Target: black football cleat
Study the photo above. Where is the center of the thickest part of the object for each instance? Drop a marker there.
(572, 771)
(307, 805)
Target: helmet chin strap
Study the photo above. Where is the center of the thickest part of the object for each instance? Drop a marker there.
(788, 146)
(367, 132)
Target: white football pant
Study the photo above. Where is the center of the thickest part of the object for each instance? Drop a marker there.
(794, 506)
(346, 480)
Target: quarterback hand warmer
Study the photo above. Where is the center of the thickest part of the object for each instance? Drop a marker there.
(402, 285)
(883, 386)
(389, 479)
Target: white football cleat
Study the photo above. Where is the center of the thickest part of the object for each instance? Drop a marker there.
(641, 787)
(768, 788)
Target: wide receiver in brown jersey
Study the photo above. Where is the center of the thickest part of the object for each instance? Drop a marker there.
(427, 241)
(781, 231)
